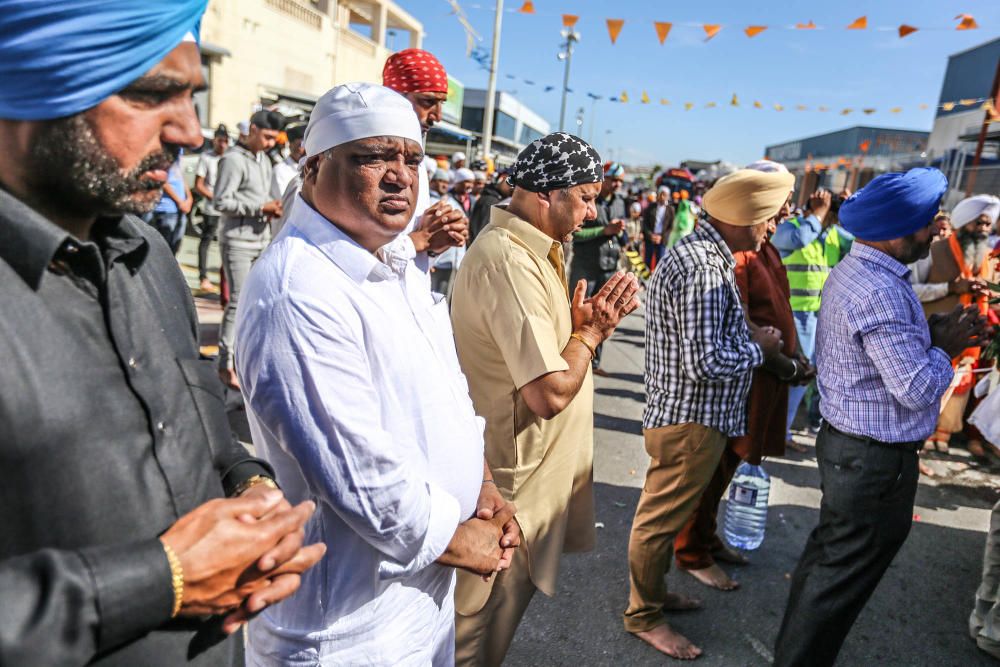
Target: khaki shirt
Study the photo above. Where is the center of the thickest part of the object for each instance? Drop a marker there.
(511, 315)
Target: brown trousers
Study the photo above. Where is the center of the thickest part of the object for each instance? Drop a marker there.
(699, 539)
(683, 459)
(482, 639)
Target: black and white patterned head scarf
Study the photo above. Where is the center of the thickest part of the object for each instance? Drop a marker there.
(556, 162)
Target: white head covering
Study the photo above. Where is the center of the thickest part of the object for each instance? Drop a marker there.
(969, 209)
(243, 127)
(464, 174)
(636, 207)
(357, 111)
(480, 175)
(456, 156)
(662, 189)
(768, 167)
(440, 175)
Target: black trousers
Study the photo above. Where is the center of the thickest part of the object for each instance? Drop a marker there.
(864, 518)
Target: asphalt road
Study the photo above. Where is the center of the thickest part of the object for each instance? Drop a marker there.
(917, 616)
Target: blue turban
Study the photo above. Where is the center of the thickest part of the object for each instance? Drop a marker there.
(58, 58)
(894, 205)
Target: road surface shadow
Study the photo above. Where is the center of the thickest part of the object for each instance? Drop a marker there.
(917, 616)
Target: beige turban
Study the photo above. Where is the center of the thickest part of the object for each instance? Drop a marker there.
(748, 197)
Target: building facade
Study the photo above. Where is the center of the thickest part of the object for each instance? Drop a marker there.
(284, 54)
(967, 85)
(847, 158)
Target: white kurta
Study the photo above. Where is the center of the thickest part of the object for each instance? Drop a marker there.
(355, 396)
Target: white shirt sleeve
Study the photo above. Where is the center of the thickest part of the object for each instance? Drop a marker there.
(925, 291)
(314, 391)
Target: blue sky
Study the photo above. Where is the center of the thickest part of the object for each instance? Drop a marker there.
(833, 67)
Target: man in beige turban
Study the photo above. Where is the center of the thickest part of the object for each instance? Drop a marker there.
(699, 357)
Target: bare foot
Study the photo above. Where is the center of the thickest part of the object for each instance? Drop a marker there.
(729, 555)
(665, 640)
(925, 469)
(228, 377)
(678, 602)
(715, 577)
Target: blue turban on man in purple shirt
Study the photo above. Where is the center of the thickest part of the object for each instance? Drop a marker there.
(894, 205)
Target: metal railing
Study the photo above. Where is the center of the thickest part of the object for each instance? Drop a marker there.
(298, 11)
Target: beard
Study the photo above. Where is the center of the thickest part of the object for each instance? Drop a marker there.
(75, 172)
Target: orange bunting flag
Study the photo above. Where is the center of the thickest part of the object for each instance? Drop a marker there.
(801, 107)
(968, 23)
(805, 26)
(895, 109)
(905, 30)
(860, 23)
(948, 106)
(754, 30)
(757, 105)
(735, 101)
(778, 107)
(688, 106)
(822, 108)
(967, 102)
(868, 112)
(710, 105)
(569, 20)
(662, 30)
(645, 97)
(711, 30)
(527, 8)
(923, 106)
(623, 98)
(865, 145)
(846, 112)
(664, 101)
(614, 28)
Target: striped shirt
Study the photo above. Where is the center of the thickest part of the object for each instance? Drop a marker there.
(699, 355)
(878, 376)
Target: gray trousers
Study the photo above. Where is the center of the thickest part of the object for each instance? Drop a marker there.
(240, 247)
(984, 622)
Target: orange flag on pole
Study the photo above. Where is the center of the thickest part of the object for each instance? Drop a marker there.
(711, 30)
(527, 8)
(905, 30)
(614, 28)
(968, 23)
(662, 30)
(754, 30)
(860, 23)
(569, 20)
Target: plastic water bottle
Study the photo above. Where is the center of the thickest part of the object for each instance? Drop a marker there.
(746, 511)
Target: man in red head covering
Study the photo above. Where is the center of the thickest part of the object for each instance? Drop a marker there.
(421, 78)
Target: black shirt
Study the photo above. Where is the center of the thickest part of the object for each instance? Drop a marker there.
(111, 428)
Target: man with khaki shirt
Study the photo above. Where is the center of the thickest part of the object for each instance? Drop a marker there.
(526, 352)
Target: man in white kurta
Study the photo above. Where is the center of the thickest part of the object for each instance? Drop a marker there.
(354, 394)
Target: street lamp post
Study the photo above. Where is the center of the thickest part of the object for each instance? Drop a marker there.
(579, 122)
(571, 38)
(491, 86)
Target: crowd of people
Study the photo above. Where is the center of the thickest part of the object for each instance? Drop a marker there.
(416, 356)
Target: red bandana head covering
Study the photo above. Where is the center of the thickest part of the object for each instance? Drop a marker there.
(414, 71)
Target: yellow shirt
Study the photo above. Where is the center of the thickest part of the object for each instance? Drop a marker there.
(511, 315)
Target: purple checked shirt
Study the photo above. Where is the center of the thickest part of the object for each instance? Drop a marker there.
(878, 376)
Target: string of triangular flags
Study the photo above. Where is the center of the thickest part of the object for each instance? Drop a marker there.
(734, 101)
(710, 30)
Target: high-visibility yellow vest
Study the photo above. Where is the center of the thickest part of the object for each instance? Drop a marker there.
(809, 267)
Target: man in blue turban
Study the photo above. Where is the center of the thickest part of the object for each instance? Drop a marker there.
(882, 370)
(137, 531)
